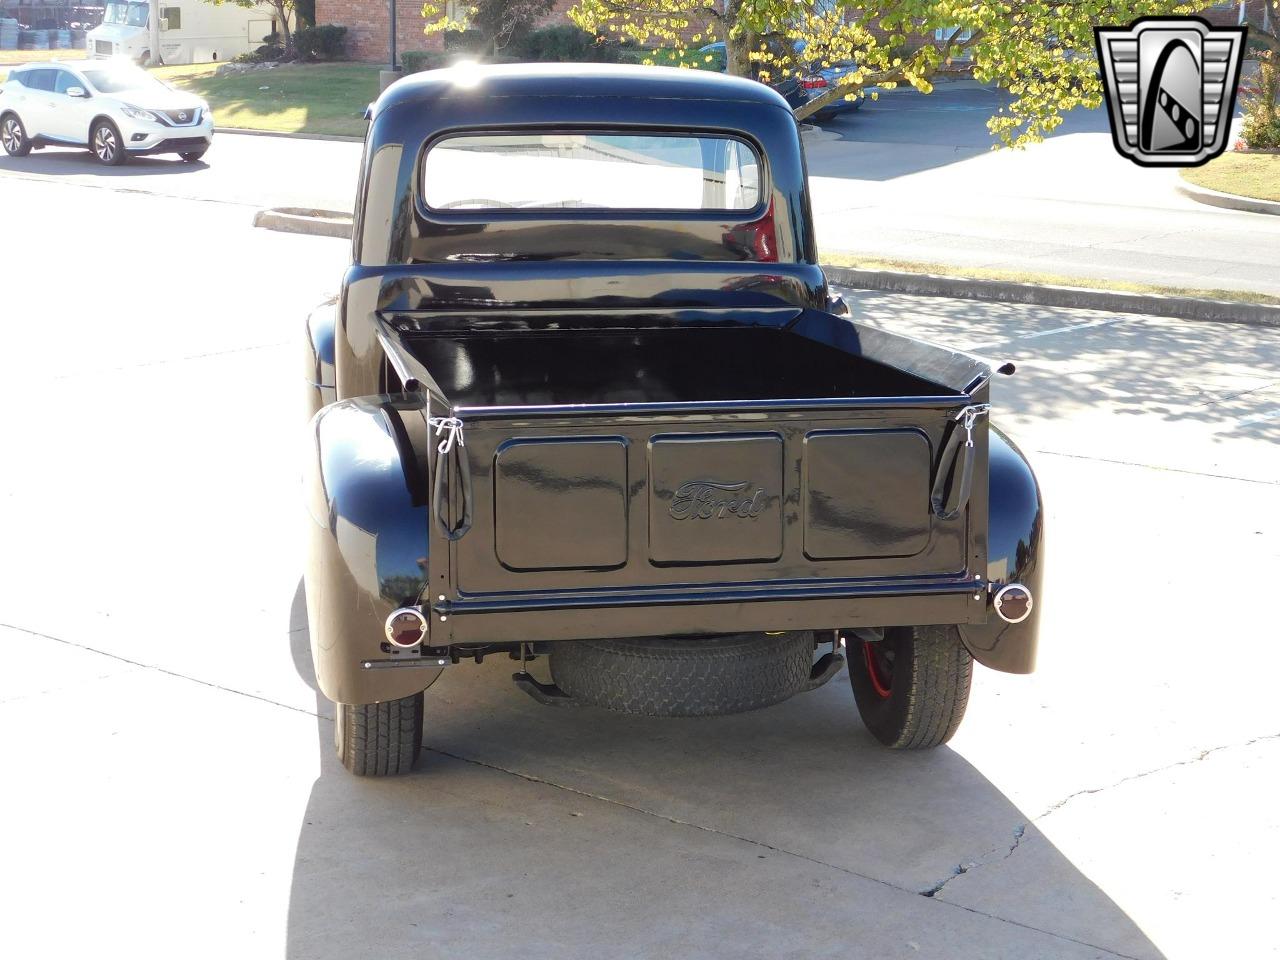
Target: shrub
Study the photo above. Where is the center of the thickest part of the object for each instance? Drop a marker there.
(566, 44)
(325, 42)
(415, 61)
(267, 53)
(1261, 128)
(465, 41)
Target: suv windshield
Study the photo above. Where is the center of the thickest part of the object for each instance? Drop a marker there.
(133, 14)
(120, 77)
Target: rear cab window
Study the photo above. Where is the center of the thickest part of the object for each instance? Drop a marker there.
(620, 170)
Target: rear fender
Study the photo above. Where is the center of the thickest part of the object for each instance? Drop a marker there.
(318, 369)
(365, 489)
(1014, 555)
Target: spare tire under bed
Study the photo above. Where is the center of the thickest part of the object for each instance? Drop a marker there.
(695, 677)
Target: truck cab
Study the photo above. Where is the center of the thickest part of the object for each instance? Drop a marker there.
(586, 400)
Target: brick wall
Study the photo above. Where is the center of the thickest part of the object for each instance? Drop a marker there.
(368, 26)
(367, 23)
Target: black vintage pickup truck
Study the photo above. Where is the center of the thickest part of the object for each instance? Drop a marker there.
(585, 396)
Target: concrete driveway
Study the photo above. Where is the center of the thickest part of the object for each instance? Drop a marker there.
(172, 789)
(914, 177)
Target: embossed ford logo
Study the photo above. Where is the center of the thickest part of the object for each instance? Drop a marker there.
(711, 499)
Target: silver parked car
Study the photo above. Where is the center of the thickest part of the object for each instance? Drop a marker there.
(115, 109)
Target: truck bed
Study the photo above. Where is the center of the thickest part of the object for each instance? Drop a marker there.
(749, 457)
(666, 365)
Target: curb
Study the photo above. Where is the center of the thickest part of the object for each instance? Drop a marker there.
(315, 223)
(1082, 298)
(333, 223)
(246, 132)
(1229, 201)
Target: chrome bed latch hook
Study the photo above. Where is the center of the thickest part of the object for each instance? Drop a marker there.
(964, 418)
(452, 428)
(967, 416)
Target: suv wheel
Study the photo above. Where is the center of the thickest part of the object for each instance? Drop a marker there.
(191, 156)
(13, 136)
(106, 145)
(912, 687)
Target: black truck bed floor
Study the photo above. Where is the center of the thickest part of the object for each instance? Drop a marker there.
(687, 364)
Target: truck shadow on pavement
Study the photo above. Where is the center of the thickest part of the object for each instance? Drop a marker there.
(57, 162)
(573, 832)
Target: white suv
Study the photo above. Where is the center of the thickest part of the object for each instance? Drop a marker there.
(114, 108)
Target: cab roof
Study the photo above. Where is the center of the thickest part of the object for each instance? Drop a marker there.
(566, 80)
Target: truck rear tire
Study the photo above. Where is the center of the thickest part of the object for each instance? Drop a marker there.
(697, 677)
(380, 739)
(912, 687)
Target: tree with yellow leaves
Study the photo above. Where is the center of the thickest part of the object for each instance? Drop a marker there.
(1041, 51)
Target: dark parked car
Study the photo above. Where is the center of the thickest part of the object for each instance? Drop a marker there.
(799, 90)
(586, 398)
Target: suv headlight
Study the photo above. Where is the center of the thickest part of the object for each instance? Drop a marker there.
(139, 114)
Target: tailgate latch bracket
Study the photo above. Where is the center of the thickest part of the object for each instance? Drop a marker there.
(449, 430)
(947, 507)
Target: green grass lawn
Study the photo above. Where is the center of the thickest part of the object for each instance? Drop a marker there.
(1247, 174)
(327, 98)
(10, 57)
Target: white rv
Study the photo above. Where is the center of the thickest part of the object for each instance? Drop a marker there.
(191, 31)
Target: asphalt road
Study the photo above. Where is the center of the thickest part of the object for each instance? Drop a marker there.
(908, 177)
(172, 789)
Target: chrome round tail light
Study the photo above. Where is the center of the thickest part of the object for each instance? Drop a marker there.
(406, 627)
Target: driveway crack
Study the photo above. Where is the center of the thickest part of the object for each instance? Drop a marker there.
(1201, 755)
(1020, 831)
(728, 835)
(960, 869)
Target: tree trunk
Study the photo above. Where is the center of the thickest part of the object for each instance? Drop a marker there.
(737, 51)
(284, 27)
(735, 58)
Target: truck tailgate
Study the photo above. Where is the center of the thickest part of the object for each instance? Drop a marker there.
(619, 469)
